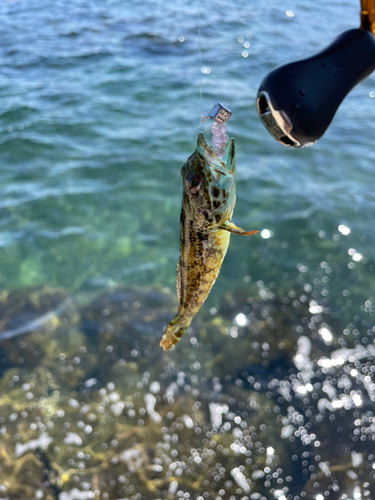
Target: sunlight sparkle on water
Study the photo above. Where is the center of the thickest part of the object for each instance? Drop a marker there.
(314, 308)
(344, 229)
(355, 255)
(240, 320)
(266, 233)
(357, 492)
(326, 335)
(280, 495)
(290, 13)
(337, 403)
(240, 479)
(357, 400)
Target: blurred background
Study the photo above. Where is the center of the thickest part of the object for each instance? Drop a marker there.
(99, 109)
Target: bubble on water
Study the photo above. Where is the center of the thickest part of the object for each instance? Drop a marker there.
(290, 13)
(205, 70)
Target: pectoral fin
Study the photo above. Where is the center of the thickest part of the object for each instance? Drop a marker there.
(232, 228)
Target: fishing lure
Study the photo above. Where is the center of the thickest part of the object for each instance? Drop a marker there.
(205, 223)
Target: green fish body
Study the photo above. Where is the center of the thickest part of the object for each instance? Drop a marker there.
(208, 201)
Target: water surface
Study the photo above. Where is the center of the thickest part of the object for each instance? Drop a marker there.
(99, 109)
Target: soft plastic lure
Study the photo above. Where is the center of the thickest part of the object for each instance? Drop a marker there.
(207, 206)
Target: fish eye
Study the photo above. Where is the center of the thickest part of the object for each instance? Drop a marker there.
(195, 183)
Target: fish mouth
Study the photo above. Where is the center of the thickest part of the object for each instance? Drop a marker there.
(227, 162)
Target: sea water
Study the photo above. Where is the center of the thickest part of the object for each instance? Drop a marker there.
(100, 106)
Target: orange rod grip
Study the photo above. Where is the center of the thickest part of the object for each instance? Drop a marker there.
(368, 15)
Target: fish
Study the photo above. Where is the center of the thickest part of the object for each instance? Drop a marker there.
(209, 197)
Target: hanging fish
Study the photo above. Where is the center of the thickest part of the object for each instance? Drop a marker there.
(205, 226)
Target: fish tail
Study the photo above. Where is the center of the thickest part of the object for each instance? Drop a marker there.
(174, 331)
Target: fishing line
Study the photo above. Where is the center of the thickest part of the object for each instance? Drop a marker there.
(200, 60)
(220, 114)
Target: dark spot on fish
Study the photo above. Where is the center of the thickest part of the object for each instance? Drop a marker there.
(216, 204)
(200, 157)
(202, 236)
(184, 302)
(215, 192)
(205, 214)
(217, 217)
(223, 193)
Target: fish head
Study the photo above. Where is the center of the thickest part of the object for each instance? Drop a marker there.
(209, 187)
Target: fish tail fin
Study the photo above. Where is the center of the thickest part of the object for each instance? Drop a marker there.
(174, 332)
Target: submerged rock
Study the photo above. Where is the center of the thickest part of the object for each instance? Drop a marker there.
(262, 399)
(40, 328)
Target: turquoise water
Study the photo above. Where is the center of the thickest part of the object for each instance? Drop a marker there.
(99, 109)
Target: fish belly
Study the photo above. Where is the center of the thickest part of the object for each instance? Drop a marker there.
(201, 256)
